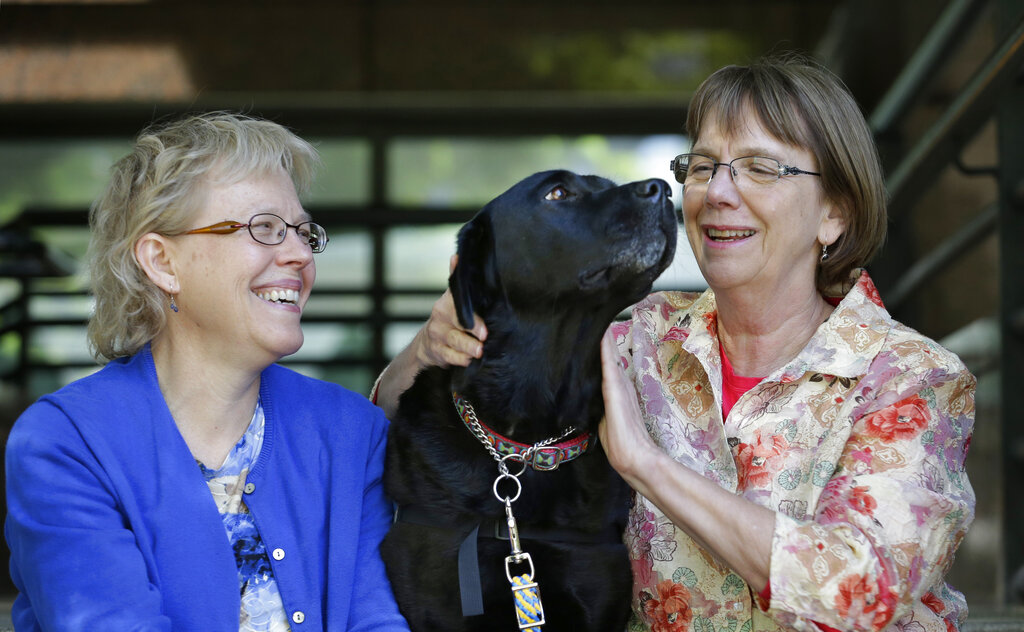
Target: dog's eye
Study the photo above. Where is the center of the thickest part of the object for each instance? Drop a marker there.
(558, 193)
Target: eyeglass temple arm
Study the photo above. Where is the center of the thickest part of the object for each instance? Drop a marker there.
(220, 228)
(786, 170)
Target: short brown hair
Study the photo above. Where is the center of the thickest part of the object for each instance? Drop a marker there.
(156, 188)
(803, 104)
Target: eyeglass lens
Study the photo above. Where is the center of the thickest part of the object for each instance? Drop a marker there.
(697, 169)
(271, 230)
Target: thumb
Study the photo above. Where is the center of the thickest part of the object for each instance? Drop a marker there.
(619, 395)
(611, 366)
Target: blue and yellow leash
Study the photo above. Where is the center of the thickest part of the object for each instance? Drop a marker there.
(529, 609)
(525, 591)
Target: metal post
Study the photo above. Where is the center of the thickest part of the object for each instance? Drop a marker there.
(378, 200)
(1010, 113)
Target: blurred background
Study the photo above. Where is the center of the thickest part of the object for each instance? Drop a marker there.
(423, 111)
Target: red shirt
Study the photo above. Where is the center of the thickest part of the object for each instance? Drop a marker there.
(733, 387)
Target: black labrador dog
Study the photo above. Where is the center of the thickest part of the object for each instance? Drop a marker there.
(547, 265)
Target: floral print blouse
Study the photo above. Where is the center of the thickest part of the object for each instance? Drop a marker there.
(858, 445)
(262, 609)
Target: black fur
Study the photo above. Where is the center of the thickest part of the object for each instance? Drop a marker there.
(547, 276)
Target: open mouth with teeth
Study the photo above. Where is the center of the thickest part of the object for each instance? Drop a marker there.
(278, 296)
(728, 235)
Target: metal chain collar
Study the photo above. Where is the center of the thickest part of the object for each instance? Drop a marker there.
(473, 422)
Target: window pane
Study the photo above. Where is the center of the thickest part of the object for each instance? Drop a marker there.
(346, 260)
(397, 336)
(344, 177)
(417, 256)
(446, 173)
(9, 291)
(324, 302)
(66, 246)
(59, 344)
(42, 382)
(66, 306)
(54, 173)
(411, 305)
(324, 341)
(357, 379)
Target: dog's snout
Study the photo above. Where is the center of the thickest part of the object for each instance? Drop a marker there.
(653, 188)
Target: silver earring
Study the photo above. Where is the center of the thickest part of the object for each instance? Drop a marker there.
(824, 252)
(174, 306)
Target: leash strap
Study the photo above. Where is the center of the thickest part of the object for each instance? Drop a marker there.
(529, 609)
(525, 592)
(468, 564)
(469, 576)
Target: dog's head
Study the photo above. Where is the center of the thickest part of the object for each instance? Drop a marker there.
(558, 239)
(548, 265)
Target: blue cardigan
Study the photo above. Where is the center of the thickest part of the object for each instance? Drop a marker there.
(112, 527)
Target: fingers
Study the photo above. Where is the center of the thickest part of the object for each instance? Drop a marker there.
(479, 331)
(446, 343)
(614, 385)
(622, 432)
(443, 341)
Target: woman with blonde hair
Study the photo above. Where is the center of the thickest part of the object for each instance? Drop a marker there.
(192, 483)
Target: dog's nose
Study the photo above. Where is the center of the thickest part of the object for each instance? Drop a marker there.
(655, 187)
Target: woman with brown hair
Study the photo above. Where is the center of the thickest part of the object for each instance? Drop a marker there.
(798, 455)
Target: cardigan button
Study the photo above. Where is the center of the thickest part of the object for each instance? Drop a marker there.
(249, 488)
(298, 616)
(278, 554)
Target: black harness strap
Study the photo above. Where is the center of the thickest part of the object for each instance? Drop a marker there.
(469, 565)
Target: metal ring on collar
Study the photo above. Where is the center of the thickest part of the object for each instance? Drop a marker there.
(515, 457)
(519, 488)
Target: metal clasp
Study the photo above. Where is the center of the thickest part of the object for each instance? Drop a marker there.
(517, 559)
(555, 458)
(525, 594)
(513, 535)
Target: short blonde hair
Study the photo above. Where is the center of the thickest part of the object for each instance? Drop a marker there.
(156, 188)
(803, 104)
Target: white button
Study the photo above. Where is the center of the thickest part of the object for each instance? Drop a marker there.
(298, 616)
(249, 488)
(278, 554)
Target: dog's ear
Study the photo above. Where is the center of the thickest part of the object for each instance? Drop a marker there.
(474, 282)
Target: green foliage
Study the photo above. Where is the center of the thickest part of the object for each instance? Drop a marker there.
(637, 61)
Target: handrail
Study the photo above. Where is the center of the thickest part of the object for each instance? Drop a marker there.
(961, 120)
(976, 229)
(955, 20)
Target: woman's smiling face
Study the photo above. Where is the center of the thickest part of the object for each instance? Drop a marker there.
(238, 295)
(759, 237)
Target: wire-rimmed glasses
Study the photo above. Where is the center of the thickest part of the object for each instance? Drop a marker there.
(698, 170)
(270, 230)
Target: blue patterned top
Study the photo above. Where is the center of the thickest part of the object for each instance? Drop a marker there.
(262, 609)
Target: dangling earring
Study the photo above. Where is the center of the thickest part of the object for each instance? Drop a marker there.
(824, 253)
(174, 306)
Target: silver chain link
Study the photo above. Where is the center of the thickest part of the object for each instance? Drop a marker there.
(478, 431)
